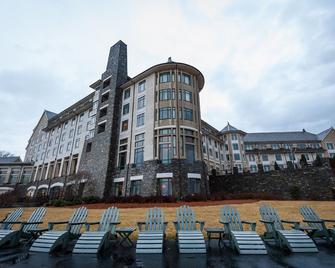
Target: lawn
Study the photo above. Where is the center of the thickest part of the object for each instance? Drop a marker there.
(210, 214)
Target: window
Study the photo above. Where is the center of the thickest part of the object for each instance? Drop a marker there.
(235, 146)
(139, 149)
(123, 153)
(228, 157)
(167, 113)
(217, 155)
(306, 156)
(188, 114)
(101, 127)
(88, 147)
(140, 120)
(57, 140)
(167, 94)
(237, 157)
(124, 126)
(135, 187)
(331, 155)
(265, 157)
(193, 186)
(165, 153)
(234, 137)
(106, 83)
(301, 146)
(54, 151)
(185, 78)
(278, 157)
(126, 94)
(103, 112)
(253, 168)
(63, 136)
(266, 168)
(77, 143)
(68, 147)
(185, 95)
(275, 146)
(190, 156)
(141, 102)
(291, 157)
(330, 146)
(65, 126)
(287, 146)
(105, 97)
(61, 149)
(71, 133)
(81, 117)
(141, 87)
(165, 77)
(165, 186)
(251, 157)
(118, 188)
(125, 109)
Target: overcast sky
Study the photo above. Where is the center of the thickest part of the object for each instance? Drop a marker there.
(268, 65)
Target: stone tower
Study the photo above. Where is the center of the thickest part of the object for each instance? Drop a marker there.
(99, 153)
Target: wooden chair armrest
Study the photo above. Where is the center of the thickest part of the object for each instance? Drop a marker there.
(266, 221)
(202, 225)
(77, 223)
(290, 221)
(52, 223)
(140, 224)
(14, 222)
(224, 222)
(88, 225)
(313, 221)
(251, 223)
(32, 222)
(328, 220)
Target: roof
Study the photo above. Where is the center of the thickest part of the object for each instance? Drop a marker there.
(281, 136)
(322, 135)
(166, 66)
(229, 128)
(10, 159)
(49, 114)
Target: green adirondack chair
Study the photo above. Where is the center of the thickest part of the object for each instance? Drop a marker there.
(190, 238)
(13, 216)
(94, 241)
(317, 226)
(12, 238)
(52, 240)
(295, 240)
(245, 242)
(150, 240)
(6, 227)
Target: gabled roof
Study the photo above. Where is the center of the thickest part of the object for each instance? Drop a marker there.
(294, 136)
(322, 135)
(10, 159)
(229, 128)
(49, 114)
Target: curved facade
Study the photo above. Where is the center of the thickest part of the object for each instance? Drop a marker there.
(159, 138)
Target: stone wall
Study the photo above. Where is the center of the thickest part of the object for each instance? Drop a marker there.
(149, 169)
(316, 183)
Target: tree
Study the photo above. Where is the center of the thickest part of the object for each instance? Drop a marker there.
(276, 166)
(5, 154)
(303, 161)
(318, 161)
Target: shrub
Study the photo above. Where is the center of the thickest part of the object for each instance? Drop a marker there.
(194, 197)
(91, 199)
(295, 192)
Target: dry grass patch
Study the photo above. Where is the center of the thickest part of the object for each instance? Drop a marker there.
(210, 214)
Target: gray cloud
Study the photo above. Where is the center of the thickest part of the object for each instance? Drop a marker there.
(268, 65)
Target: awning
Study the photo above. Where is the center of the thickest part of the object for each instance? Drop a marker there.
(164, 175)
(57, 184)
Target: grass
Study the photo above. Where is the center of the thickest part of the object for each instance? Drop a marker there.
(210, 214)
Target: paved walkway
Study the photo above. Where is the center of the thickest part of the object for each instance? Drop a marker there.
(215, 257)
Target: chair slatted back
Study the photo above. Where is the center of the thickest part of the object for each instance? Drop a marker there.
(13, 216)
(79, 215)
(36, 216)
(269, 213)
(231, 215)
(110, 215)
(186, 219)
(309, 214)
(154, 219)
